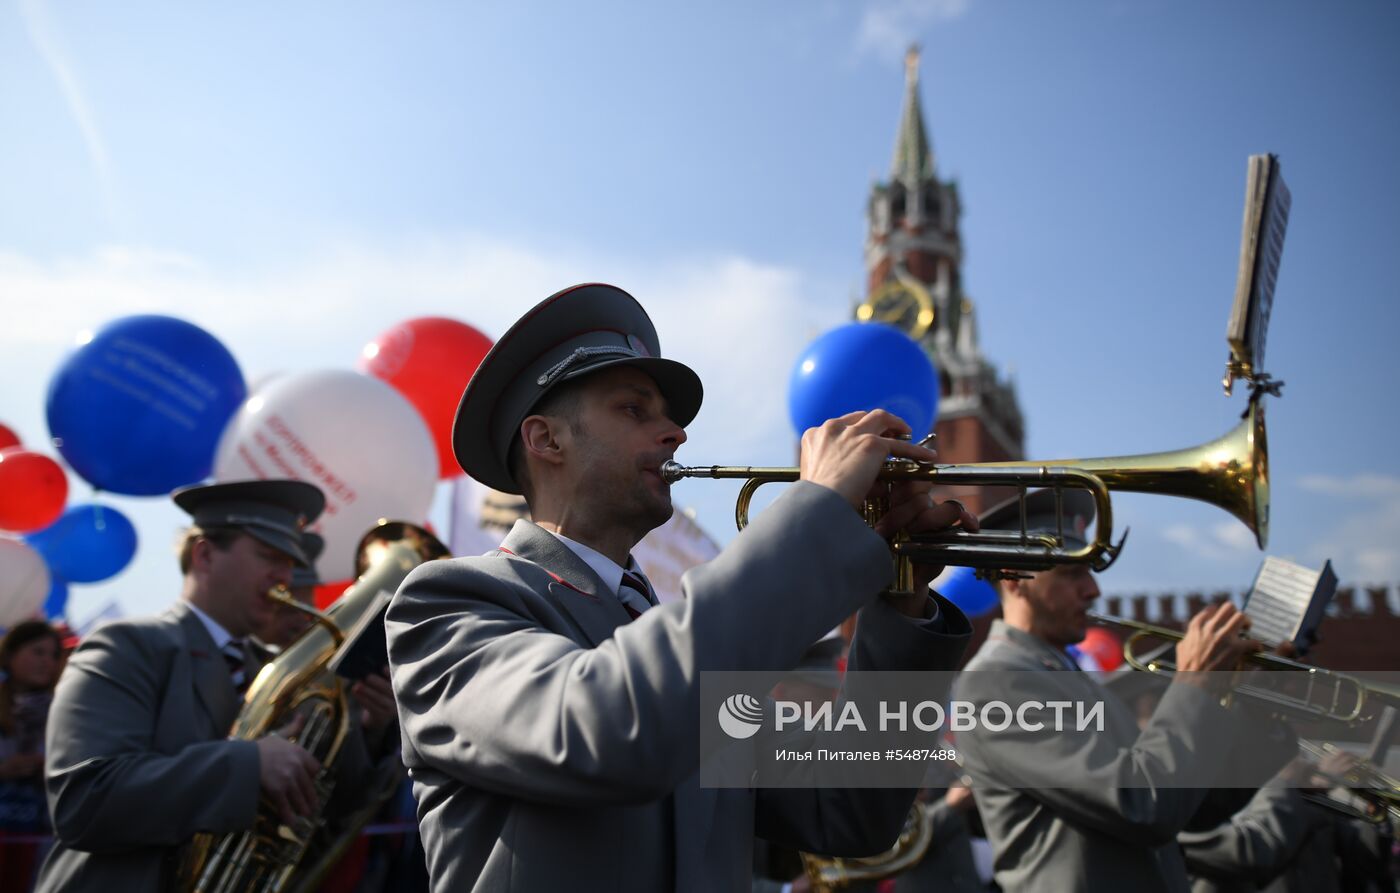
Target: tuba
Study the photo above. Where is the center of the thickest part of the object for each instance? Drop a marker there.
(299, 682)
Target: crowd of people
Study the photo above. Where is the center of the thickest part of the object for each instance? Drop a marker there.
(545, 705)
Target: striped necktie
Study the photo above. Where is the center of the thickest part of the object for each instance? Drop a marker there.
(635, 593)
(235, 656)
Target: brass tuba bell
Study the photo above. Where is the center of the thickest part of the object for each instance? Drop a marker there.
(273, 856)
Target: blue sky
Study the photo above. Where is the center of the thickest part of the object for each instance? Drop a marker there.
(296, 178)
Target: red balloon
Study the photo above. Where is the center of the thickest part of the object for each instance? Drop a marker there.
(1104, 647)
(324, 593)
(429, 360)
(8, 438)
(33, 490)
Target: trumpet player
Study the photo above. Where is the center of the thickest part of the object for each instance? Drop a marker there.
(1089, 810)
(550, 706)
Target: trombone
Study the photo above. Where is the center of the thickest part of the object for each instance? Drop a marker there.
(1230, 472)
(1326, 694)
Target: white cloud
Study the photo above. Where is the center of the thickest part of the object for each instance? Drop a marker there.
(1377, 564)
(1366, 546)
(1364, 486)
(1361, 537)
(740, 322)
(888, 27)
(1223, 541)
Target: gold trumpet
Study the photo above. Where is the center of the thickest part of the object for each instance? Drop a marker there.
(828, 874)
(1363, 781)
(1230, 472)
(1325, 694)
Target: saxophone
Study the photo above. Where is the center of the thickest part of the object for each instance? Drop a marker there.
(299, 683)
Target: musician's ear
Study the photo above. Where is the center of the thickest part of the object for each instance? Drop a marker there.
(1010, 583)
(542, 438)
(201, 550)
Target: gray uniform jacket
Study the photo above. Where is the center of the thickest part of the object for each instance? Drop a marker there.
(1084, 811)
(138, 758)
(554, 745)
(1258, 843)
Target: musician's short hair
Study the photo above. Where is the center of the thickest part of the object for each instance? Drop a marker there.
(220, 538)
(565, 401)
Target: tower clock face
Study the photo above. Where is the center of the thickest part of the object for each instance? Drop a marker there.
(904, 305)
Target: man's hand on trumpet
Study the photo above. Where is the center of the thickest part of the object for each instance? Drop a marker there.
(914, 510)
(846, 454)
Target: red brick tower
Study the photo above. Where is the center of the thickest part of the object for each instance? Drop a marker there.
(913, 254)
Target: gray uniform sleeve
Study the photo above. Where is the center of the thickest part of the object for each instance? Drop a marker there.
(856, 821)
(1256, 843)
(109, 788)
(488, 696)
(1141, 793)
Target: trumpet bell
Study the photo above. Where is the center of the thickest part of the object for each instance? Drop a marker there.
(1231, 472)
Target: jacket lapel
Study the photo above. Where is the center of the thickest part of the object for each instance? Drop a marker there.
(212, 684)
(573, 585)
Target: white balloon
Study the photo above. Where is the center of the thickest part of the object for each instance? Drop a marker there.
(353, 436)
(24, 582)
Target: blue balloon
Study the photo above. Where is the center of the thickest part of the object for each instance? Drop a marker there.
(56, 602)
(86, 544)
(864, 366)
(139, 409)
(969, 592)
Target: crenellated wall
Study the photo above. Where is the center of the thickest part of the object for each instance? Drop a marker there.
(1361, 632)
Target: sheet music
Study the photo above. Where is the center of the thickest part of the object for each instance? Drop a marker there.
(1280, 600)
(1266, 274)
(1266, 206)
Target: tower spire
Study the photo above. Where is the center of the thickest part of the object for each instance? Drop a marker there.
(913, 156)
(913, 257)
